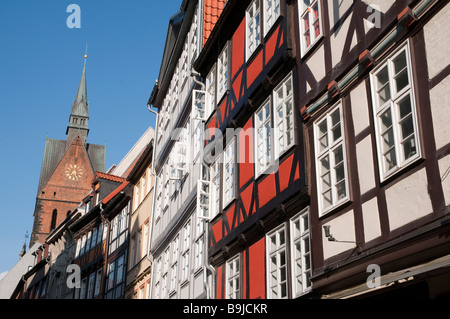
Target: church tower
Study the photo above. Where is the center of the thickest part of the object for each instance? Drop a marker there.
(68, 167)
(79, 117)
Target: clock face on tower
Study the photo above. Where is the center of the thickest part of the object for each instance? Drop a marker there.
(74, 172)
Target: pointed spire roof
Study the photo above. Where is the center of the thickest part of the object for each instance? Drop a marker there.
(80, 105)
(79, 117)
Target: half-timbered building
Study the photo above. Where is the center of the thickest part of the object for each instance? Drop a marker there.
(372, 79)
(259, 241)
(176, 234)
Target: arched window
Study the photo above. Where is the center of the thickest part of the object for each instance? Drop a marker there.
(54, 217)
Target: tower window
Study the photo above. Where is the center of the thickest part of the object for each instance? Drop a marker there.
(54, 217)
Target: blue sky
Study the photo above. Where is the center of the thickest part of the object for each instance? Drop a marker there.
(41, 61)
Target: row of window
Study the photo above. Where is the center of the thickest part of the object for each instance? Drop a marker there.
(91, 239)
(90, 286)
(115, 280)
(119, 229)
(395, 130)
(139, 242)
(142, 188)
(274, 134)
(176, 92)
(173, 267)
(285, 254)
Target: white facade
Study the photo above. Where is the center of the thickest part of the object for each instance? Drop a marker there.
(177, 234)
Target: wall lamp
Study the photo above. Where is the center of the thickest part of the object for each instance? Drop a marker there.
(331, 237)
(327, 233)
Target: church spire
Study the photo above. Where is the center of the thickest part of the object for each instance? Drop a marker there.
(79, 117)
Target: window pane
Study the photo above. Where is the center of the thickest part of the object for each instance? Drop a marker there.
(306, 245)
(327, 199)
(384, 92)
(326, 181)
(335, 123)
(282, 239)
(390, 160)
(402, 80)
(400, 62)
(338, 155)
(407, 127)
(401, 71)
(306, 4)
(405, 107)
(325, 167)
(305, 222)
(323, 136)
(340, 189)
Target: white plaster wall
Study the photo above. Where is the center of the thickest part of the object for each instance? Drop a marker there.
(360, 108)
(444, 166)
(371, 220)
(366, 172)
(337, 8)
(437, 33)
(408, 200)
(440, 108)
(338, 40)
(316, 63)
(343, 229)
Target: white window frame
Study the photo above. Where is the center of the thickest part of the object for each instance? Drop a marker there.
(174, 264)
(272, 10)
(78, 248)
(263, 138)
(274, 276)
(185, 266)
(198, 128)
(186, 245)
(300, 258)
(211, 92)
(229, 173)
(137, 194)
(159, 195)
(392, 105)
(303, 11)
(222, 73)
(215, 170)
(283, 129)
(233, 284)
(252, 28)
(203, 200)
(329, 151)
(198, 253)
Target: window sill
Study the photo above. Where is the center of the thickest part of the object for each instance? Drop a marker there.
(228, 205)
(198, 271)
(306, 53)
(273, 168)
(411, 164)
(250, 58)
(184, 282)
(341, 204)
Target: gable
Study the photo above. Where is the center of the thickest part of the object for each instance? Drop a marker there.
(74, 172)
